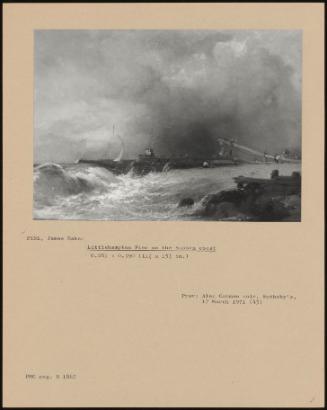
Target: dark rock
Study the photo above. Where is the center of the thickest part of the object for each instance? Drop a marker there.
(292, 201)
(293, 205)
(186, 202)
(234, 196)
(252, 202)
(271, 209)
(253, 188)
(225, 210)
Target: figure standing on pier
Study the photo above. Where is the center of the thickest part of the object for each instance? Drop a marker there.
(265, 156)
(277, 158)
(232, 142)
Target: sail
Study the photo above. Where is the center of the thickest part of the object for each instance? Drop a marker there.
(122, 149)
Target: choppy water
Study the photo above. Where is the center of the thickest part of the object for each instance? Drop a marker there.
(82, 192)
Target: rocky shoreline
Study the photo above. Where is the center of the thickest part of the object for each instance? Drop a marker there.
(267, 200)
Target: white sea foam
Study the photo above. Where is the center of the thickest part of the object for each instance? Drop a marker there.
(82, 192)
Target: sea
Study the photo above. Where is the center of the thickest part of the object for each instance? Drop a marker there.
(84, 192)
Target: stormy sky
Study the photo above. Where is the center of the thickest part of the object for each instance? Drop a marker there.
(174, 90)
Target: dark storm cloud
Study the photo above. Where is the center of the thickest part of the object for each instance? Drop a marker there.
(179, 90)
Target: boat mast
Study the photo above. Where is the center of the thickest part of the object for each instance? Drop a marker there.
(109, 146)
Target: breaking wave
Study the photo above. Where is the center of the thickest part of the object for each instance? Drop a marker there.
(83, 192)
(53, 181)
